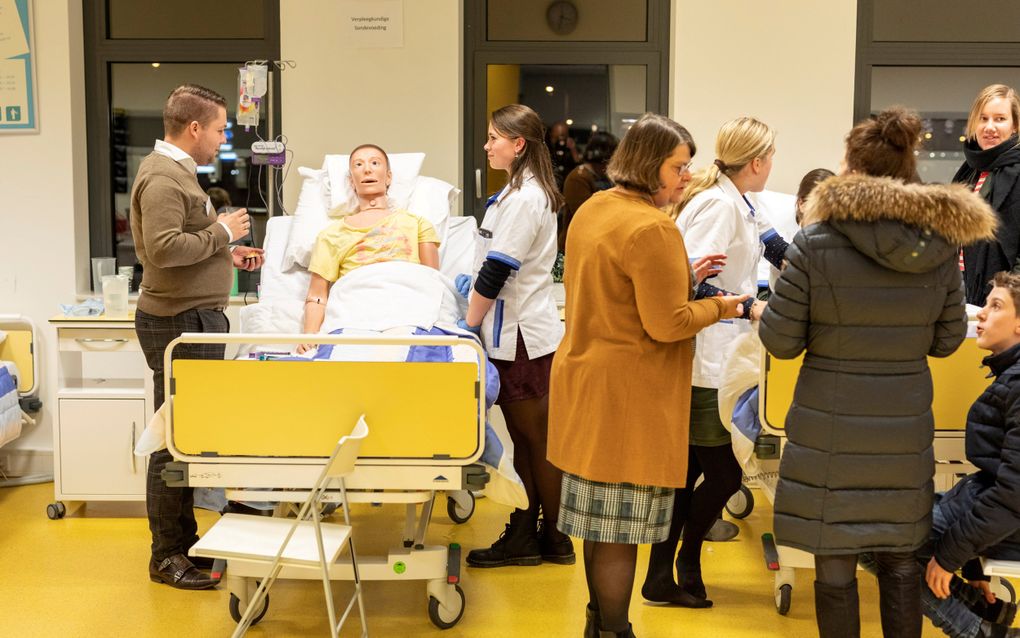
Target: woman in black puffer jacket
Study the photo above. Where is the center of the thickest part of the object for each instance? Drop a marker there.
(992, 169)
(871, 289)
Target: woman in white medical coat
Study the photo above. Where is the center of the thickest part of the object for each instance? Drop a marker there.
(511, 304)
(714, 216)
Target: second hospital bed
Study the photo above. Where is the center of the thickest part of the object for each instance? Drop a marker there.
(957, 382)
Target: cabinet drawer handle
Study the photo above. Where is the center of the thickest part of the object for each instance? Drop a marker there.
(132, 449)
(91, 340)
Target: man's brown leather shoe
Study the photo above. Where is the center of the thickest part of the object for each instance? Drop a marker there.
(177, 571)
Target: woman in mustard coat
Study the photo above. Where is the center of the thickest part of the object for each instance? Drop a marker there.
(621, 378)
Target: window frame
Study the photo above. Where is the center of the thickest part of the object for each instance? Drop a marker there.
(101, 52)
(871, 54)
(653, 53)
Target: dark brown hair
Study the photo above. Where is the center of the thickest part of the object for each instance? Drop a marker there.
(190, 103)
(807, 184)
(884, 145)
(1011, 282)
(517, 120)
(645, 146)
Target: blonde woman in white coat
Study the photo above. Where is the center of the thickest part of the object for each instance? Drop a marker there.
(715, 217)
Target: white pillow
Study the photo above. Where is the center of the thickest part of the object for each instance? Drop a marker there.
(310, 217)
(314, 198)
(457, 253)
(404, 166)
(303, 231)
(433, 199)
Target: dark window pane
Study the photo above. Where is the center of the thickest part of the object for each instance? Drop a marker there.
(572, 20)
(138, 94)
(946, 21)
(186, 19)
(585, 97)
(942, 96)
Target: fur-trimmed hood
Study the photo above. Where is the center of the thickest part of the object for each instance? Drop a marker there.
(907, 227)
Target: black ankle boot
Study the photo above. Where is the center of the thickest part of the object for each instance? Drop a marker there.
(517, 545)
(837, 610)
(591, 622)
(626, 633)
(555, 546)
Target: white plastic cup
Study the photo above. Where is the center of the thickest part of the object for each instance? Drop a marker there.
(101, 267)
(115, 295)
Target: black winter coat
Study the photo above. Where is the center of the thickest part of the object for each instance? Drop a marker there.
(984, 508)
(871, 289)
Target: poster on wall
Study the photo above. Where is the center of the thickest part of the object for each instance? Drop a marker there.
(17, 68)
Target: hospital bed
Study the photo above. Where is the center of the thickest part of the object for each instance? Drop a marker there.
(957, 380)
(19, 365)
(265, 438)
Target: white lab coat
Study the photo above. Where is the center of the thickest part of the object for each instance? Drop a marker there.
(519, 229)
(718, 220)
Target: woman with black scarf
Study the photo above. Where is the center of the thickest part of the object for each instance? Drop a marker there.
(992, 170)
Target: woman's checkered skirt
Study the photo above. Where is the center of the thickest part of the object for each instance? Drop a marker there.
(614, 512)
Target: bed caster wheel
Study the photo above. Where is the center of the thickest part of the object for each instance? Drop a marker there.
(236, 611)
(55, 510)
(741, 504)
(460, 506)
(784, 596)
(446, 617)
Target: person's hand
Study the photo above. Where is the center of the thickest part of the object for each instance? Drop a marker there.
(937, 579)
(757, 307)
(707, 266)
(463, 284)
(304, 347)
(985, 588)
(464, 326)
(247, 258)
(237, 221)
(732, 307)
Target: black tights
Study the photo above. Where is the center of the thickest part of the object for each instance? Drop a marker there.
(695, 510)
(527, 422)
(609, 570)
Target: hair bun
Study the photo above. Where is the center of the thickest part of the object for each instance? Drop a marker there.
(900, 128)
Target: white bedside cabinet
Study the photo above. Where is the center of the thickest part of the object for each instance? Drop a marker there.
(104, 402)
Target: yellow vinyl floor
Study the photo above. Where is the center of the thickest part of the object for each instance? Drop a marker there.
(86, 575)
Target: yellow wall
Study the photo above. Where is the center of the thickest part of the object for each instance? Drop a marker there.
(504, 87)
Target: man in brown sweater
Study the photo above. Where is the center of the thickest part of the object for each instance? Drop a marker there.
(184, 250)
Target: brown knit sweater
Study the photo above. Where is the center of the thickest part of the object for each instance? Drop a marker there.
(183, 250)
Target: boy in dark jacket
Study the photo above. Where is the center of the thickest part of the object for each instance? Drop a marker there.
(980, 515)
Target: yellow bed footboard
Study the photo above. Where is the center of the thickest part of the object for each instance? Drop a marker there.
(427, 411)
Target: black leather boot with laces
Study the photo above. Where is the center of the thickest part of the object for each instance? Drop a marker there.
(517, 545)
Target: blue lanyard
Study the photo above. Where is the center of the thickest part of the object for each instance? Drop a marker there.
(748, 202)
(492, 200)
